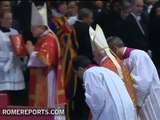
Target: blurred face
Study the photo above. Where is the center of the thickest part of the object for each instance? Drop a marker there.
(72, 9)
(79, 72)
(138, 8)
(97, 58)
(158, 12)
(98, 3)
(117, 51)
(125, 13)
(37, 31)
(116, 7)
(88, 20)
(6, 6)
(6, 21)
(63, 8)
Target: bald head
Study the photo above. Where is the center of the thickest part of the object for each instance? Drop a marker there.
(116, 45)
(115, 42)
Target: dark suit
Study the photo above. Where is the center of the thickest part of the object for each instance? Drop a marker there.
(154, 39)
(129, 31)
(117, 26)
(136, 37)
(83, 38)
(100, 16)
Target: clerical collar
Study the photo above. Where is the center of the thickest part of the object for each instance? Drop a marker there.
(126, 52)
(137, 17)
(149, 8)
(106, 57)
(89, 66)
(80, 21)
(99, 9)
(3, 29)
(44, 33)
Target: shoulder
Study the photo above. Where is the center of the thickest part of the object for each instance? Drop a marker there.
(1, 32)
(51, 35)
(50, 38)
(80, 24)
(13, 31)
(97, 70)
(92, 73)
(92, 70)
(139, 54)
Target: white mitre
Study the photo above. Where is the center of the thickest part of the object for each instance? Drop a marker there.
(98, 40)
(92, 35)
(39, 16)
(99, 43)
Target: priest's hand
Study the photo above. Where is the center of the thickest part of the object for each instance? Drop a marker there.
(30, 47)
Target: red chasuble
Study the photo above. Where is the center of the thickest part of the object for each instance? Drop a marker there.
(49, 52)
(126, 75)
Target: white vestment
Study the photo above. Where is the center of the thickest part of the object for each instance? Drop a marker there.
(106, 95)
(146, 83)
(11, 74)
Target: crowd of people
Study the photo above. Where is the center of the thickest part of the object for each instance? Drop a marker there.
(96, 59)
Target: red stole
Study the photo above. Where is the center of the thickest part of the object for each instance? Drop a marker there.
(60, 92)
(107, 63)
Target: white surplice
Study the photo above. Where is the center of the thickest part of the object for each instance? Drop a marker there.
(11, 74)
(106, 95)
(146, 83)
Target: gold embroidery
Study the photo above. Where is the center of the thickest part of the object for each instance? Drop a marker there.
(44, 59)
(39, 89)
(60, 92)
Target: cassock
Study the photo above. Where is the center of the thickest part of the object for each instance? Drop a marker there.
(125, 29)
(11, 74)
(146, 83)
(83, 38)
(46, 76)
(106, 95)
(107, 63)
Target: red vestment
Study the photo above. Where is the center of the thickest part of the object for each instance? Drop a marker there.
(48, 51)
(107, 63)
